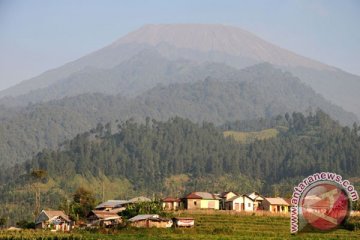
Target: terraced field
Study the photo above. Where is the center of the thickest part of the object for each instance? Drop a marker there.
(209, 226)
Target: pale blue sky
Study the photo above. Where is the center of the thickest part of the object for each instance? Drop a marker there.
(37, 35)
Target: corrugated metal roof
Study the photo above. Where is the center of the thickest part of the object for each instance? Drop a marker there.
(255, 196)
(139, 199)
(111, 204)
(143, 217)
(106, 215)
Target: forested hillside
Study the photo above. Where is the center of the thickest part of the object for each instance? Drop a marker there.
(259, 91)
(159, 158)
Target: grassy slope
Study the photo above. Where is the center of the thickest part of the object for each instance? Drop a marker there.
(248, 137)
(216, 226)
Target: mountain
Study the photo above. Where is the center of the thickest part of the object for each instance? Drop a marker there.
(227, 94)
(189, 44)
(131, 78)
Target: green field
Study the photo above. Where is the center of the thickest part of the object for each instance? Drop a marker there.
(208, 226)
(249, 137)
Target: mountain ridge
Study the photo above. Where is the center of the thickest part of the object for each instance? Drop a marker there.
(200, 43)
(258, 91)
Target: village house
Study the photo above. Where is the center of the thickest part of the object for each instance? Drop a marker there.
(170, 203)
(119, 205)
(257, 198)
(139, 199)
(288, 200)
(53, 220)
(201, 200)
(112, 206)
(149, 221)
(226, 196)
(275, 205)
(103, 218)
(240, 203)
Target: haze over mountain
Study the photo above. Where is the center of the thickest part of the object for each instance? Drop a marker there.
(107, 70)
(226, 94)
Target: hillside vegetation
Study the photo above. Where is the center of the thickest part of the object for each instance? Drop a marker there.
(147, 158)
(257, 92)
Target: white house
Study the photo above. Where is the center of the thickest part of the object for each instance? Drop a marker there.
(240, 203)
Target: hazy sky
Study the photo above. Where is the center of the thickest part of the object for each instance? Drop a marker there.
(37, 35)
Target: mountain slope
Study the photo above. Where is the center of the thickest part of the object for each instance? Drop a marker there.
(217, 38)
(178, 42)
(259, 91)
(130, 78)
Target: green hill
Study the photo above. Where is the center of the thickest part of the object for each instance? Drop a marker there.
(261, 91)
(171, 158)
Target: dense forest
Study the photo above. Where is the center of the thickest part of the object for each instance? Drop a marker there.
(261, 91)
(156, 158)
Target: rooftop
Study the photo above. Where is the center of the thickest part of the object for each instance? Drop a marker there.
(277, 201)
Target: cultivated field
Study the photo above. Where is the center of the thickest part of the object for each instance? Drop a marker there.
(249, 137)
(209, 225)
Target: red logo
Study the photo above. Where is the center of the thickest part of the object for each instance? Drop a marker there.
(325, 206)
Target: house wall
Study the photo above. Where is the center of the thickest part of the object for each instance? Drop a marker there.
(266, 205)
(248, 204)
(241, 204)
(170, 205)
(142, 223)
(258, 205)
(209, 204)
(149, 224)
(274, 208)
(228, 206)
(193, 203)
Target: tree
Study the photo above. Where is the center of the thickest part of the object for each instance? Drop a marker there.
(2, 222)
(83, 202)
(143, 208)
(37, 176)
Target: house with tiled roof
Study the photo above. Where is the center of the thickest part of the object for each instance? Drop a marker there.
(170, 203)
(150, 221)
(257, 198)
(53, 220)
(240, 203)
(103, 218)
(276, 205)
(201, 200)
(112, 206)
(226, 196)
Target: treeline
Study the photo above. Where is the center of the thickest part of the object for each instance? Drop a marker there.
(148, 153)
